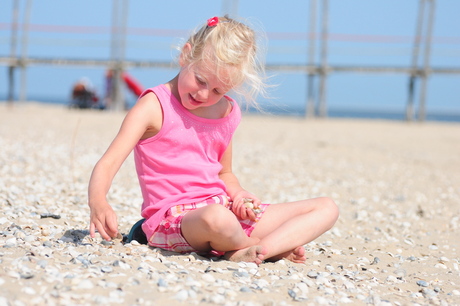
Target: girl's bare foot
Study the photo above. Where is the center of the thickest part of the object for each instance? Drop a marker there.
(255, 254)
(296, 255)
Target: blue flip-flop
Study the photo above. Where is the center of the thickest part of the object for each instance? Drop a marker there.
(136, 233)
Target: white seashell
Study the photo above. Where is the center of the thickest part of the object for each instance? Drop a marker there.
(29, 290)
(440, 265)
(30, 238)
(249, 205)
(14, 274)
(20, 234)
(85, 284)
(208, 278)
(11, 242)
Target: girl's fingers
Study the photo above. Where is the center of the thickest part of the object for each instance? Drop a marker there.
(92, 230)
(103, 233)
(112, 227)
(244, 211)
(101, 230)
(240, 211)
(252, 215)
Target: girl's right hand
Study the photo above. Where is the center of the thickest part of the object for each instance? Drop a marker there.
(104, 220)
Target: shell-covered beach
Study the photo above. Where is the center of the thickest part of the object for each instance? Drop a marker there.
(396, 242)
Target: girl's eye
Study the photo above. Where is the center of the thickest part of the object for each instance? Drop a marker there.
(216, 92)
(200, 81)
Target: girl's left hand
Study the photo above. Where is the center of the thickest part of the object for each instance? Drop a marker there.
(240, 207)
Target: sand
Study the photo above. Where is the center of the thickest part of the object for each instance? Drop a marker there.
(396, 242)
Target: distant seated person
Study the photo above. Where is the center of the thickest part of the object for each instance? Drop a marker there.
(83, 95)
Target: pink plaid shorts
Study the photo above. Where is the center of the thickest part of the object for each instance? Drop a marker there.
(168, 234)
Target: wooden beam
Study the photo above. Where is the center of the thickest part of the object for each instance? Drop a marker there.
(322, 103)
(415, 55)
(310, 107)
(426, 63)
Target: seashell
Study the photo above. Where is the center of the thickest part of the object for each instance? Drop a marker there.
(20, 234)
(422, 283)
(12, 242)
(249, 205)
(118, 238)
(107, 269)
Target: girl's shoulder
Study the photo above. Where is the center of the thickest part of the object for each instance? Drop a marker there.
(149, 102)
(148, 110)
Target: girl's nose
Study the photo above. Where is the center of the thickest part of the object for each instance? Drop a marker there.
(203, 94)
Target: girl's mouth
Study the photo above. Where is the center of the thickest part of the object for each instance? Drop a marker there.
(194, 101)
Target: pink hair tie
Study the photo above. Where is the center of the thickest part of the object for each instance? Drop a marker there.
(212, 22)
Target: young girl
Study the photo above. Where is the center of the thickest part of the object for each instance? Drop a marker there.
(181, 133)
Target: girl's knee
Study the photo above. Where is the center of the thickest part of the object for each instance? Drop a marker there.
(219, 219)
(331, 209)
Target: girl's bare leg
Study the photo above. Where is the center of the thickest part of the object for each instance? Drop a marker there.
(285, 228)
(214, 227)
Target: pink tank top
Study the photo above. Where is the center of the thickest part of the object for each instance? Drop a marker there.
(181, 164)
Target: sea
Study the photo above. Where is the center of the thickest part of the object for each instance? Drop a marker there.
(300, 111)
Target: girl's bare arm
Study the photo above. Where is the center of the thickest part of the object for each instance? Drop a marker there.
(145, 118)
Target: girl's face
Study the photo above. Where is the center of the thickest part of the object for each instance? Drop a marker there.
(198, 87)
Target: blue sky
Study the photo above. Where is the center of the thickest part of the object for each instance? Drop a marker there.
(363, 32)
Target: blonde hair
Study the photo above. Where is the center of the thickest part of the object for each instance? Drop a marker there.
(230, 43)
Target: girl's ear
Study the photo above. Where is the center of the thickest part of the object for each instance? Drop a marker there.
(186, 49)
